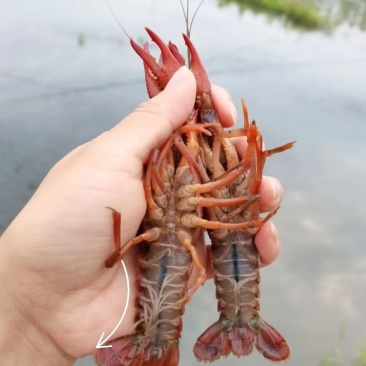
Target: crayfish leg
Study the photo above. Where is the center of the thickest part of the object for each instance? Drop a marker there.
(190, 220)
(224, 180)
(219, 202)
(200, 263)
(119, 253)
(239, 210)
(279, 149)
(116, 216)
(190, 158)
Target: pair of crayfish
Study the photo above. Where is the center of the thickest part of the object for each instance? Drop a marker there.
(196, 182)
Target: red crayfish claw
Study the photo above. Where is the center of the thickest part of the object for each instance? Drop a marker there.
(157, 75)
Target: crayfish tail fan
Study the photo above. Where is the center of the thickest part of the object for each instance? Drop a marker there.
(241, 340)
(125, 351)
(162, 355)
(212, 344)
(271, 344)
(225, 337)
(135, 350)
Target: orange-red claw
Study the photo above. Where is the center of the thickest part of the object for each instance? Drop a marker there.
(158, 74)
(152, 84)
(174, 50)
(166, 54)
(203, 84)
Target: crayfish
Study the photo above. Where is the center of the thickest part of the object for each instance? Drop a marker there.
(197, 182)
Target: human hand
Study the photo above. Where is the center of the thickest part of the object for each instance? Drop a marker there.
(59, 294)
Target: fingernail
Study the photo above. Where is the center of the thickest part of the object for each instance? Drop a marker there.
(233, 112)
(276, 191)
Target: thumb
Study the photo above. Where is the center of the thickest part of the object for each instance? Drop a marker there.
(151, 123)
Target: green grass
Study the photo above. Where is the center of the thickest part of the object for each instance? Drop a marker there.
(361, 359)
(301, 14)
(335, 356)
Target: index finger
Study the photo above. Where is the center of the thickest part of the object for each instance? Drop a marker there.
(224, 105)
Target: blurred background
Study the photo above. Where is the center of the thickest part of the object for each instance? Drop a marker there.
(67, 73)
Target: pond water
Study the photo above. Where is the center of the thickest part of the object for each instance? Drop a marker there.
(309, 87)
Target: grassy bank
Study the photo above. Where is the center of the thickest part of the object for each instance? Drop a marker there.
(298, 13)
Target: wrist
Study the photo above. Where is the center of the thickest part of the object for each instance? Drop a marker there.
(22, 341)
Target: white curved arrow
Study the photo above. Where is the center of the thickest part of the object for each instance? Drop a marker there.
(101, 341)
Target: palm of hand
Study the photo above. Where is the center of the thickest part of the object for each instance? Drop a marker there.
(71, 293)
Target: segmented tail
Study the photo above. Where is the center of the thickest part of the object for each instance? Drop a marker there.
(132, 350)
(225, 337)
